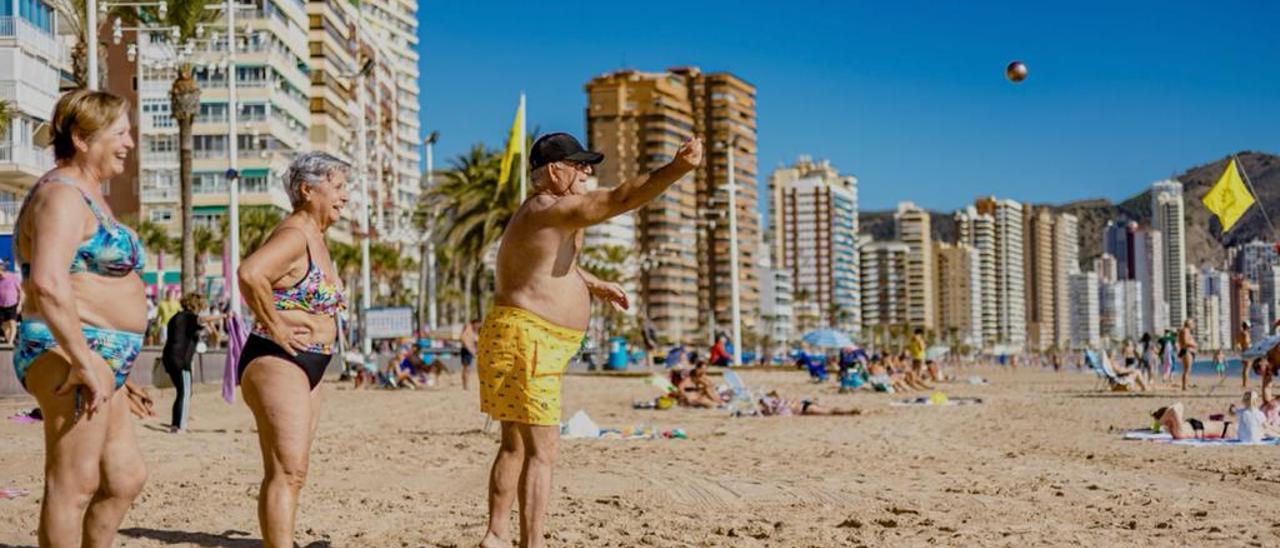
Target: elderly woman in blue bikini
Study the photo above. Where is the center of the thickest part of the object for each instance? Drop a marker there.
(82, 324)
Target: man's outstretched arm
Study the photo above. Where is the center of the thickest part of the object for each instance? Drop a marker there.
(599, 205)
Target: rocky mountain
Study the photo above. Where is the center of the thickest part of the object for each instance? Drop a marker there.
(1205, 241)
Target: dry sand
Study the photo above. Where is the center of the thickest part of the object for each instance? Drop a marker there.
(1040, 463)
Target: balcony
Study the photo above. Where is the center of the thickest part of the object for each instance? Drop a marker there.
(21, 164)
(32, 39)
(8, 215)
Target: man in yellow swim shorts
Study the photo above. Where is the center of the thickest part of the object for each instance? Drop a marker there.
(540, 313)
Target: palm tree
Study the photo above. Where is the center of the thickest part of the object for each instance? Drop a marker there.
(73, 17)
(608, 263)
(480, 207)
(256, 225)
(6, 116)
(184, 96)
(206, 242)
(155, 239)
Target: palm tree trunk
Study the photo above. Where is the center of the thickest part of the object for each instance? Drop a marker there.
(466, 296)
(184, 96)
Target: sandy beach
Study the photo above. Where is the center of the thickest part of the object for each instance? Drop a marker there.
(1039, 463)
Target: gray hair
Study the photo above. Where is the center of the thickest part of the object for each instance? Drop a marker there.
(310, 169)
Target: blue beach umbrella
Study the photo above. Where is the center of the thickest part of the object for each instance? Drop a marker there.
(827, 338)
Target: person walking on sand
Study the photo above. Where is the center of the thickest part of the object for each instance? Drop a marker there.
(1187, 348)
(1243, 342)
(540, 314)
(467, 354)
(10, 302)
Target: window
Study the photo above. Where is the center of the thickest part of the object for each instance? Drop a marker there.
(161, 216)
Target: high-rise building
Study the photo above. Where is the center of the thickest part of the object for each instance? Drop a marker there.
(912, 227)
(1254, 258)
(995, 228)
(1111, 311)
(1243, 300)
(1132, 310)
(815, 229)
(33, 59)
(639, 121)
(1105, 266)
(393, 26)
(1117, 241)
(884, 284)
(1268, 300)
(1042, 296)
(959, 283)
(777, 318)
(1066, 261)
(1085, 323)
(1147, 260)
(1209, 294)
(978, 230)
(1167, 217)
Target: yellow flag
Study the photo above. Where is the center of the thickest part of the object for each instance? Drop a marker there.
(513, 145)
(1228, 199)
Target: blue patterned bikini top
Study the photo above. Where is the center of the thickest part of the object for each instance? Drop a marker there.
(113, 250)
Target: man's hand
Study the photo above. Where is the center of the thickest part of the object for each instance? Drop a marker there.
(610, 292)
(690, 154)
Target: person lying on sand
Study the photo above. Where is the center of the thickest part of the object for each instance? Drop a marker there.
(1173, 419)
(773, 405)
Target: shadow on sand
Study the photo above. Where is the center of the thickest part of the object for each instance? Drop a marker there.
(228, 539)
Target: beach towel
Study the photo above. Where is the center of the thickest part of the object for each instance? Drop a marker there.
(934, 400)
(8, 493)
(1147, 434)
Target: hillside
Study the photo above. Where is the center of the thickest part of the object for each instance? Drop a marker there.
(1205, 241)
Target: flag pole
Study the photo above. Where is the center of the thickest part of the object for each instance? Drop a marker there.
(524, 164)
(1258, 197)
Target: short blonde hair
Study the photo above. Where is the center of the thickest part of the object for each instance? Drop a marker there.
(84, 112)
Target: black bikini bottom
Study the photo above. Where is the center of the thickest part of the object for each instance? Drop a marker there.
(311, 363)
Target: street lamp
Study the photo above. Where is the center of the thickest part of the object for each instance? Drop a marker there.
(428, 276)
(366, 301)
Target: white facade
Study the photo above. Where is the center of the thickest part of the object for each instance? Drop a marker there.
(1066, 261)
(1111, 311)
(1167, 217)
(977, 230)
(393, 25)
(1085, 321)
(31, 58)
(1149, 270)
(815, 231)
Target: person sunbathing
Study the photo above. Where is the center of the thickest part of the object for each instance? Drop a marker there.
(703, 385)
(883, 379)
(1127, 371)
(1173, 419)
(688, 392)
(774, 405)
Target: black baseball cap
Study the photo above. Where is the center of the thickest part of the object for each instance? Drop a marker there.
(555, 147)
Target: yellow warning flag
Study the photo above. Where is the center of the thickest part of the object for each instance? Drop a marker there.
(1229, 198)
(513, 145)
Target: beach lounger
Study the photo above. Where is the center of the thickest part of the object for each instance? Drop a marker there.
(1116, 382)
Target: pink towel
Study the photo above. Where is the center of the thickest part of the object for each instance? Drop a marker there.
(235, 346)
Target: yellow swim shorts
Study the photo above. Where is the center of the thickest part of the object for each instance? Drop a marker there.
(521, 358)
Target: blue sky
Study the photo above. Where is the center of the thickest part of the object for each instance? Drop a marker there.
(909, 97)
